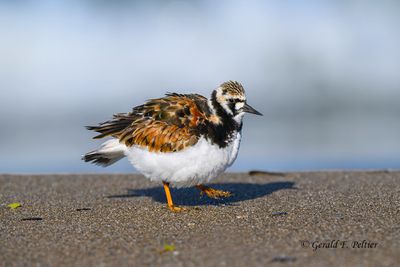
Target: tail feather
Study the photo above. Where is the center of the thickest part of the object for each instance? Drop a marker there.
(113, 127)
(110, 152)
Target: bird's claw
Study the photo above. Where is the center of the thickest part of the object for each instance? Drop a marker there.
(215, 193)
(174, 208)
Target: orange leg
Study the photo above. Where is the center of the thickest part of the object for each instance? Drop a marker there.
(171, 205)
(213, 193)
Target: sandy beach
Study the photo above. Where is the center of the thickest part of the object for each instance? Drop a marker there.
(291, 219)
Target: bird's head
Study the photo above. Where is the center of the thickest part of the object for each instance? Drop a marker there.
(232, 98)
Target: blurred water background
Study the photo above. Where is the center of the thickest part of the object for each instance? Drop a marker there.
(325, 74)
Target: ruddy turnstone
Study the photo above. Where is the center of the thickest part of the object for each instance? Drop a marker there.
(179, 139)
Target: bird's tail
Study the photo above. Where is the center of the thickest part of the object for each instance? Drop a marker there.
(110, 152)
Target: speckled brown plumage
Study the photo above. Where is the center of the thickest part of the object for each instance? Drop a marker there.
(166, 124)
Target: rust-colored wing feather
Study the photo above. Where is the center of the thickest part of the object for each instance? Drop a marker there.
(166, 124)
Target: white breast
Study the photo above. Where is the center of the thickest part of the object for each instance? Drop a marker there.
(194, 165)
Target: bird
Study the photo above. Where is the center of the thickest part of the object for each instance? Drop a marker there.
(180, 140)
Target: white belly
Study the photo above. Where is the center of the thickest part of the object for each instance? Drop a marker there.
(194, 165)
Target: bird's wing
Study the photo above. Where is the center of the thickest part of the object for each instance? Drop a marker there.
(167, 124)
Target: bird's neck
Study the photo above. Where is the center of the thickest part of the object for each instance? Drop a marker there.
(223, 130)
(216, 107)
(224, 117)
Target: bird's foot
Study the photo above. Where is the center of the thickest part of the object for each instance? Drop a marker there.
(214, 193)
(174, 208)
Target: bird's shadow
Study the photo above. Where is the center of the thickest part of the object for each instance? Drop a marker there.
(191, 197)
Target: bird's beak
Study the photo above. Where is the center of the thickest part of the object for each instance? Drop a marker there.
(247, 108)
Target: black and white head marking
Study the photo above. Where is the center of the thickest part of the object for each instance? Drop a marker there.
(231, 96)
